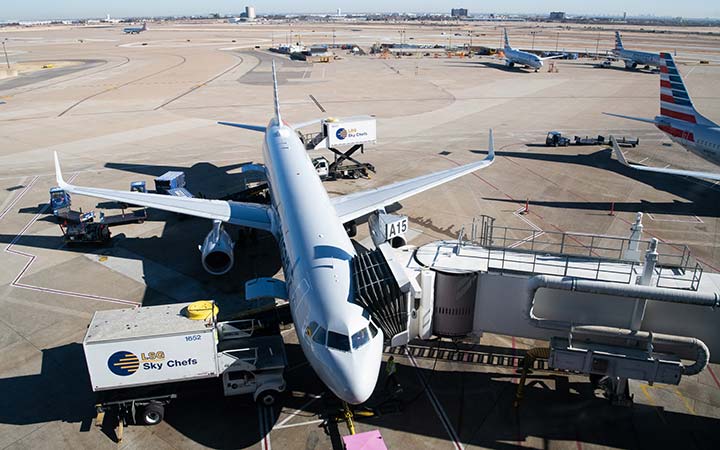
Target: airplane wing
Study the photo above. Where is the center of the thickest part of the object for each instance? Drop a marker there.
(686, 173)
(639, 119)
(237, 213)
(358, 204)
(552, 57)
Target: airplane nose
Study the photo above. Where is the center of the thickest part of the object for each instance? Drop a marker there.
(356, 374)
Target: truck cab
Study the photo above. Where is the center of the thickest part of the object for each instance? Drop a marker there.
(59, 200)
(556, 139)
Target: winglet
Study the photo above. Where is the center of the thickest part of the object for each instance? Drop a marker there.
(275, 94)
(618, 153)
(507, 41)
(58, 173)
(491, 146)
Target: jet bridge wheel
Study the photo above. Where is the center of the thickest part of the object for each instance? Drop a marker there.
(152, 414)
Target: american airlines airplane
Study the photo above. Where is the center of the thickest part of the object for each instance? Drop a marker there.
(337, 335)
(633, 58)
(681, 121)
(514, 56)
(135, 30)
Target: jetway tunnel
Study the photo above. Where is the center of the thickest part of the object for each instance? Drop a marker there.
(639, 313)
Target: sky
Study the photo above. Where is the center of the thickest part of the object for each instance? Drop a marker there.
(62, 9)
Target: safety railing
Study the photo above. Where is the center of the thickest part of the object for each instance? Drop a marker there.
(586, 255)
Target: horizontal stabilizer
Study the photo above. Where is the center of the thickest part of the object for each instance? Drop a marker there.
(245, 126)
(639, 119)
(678, 172)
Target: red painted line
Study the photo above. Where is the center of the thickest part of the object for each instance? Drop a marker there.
(665, 84)
(712, 374)
(667, 98)
(663, 69)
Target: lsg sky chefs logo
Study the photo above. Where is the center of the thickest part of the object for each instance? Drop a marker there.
(123, 363)
(344, 133)
(127, 363)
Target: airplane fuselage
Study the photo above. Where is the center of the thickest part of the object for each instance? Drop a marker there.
(522, 58)
(634, 58)
(703, 140)
(316, 255)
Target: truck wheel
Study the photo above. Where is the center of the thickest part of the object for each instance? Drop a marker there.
(153, 414)
(267, 398)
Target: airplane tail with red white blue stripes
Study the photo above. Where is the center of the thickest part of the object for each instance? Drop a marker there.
(675, 101)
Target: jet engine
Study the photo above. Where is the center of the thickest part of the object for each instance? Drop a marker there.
(217, 250)
(386, 227)
(630, 64)
(509, 64)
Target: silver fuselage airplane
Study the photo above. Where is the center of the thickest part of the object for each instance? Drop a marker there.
(681, 122)
(336, 334)
(634, 58)
(513, 56)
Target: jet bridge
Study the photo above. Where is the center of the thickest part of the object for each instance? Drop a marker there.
(616, 307)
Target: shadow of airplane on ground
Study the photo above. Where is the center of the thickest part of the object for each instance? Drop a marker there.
(478, 405)
(703, 196)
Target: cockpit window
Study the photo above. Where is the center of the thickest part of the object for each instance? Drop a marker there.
(373, 330)
(338, 341)
(320, 336)
(360, 338)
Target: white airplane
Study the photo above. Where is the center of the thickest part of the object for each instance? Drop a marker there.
(337, 335)
(633, 58)
(681, 121)
(135, 30)
(513, 56)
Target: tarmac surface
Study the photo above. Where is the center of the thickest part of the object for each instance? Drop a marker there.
(144, 104)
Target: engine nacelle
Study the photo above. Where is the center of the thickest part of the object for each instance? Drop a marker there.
(630, 64)
(386, 227)
(217, 250)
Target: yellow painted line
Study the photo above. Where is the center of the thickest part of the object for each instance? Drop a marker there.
(644, 388)
(686, 402)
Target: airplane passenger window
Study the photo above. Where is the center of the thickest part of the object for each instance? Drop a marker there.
(338, 341)
(360, 338)
(320, 336)
(373, 329)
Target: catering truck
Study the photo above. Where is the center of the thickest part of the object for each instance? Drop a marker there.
(140, 359)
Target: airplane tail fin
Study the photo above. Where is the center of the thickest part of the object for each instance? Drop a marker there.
(507, 41)
(276, 96)
(675, 102)
(144, 26)
(618, 41)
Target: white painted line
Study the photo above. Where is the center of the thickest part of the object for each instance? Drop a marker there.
(437, 406)
(298, 411)
(16, 282)
(309, 422)
(17, 199)
(653, 218)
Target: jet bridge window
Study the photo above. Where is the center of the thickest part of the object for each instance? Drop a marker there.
(360, 338)
(338, 341)
(320, 336)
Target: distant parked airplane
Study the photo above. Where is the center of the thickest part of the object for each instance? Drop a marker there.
(633, 58)
(681, 121)
(514, 56)
(135, 30)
